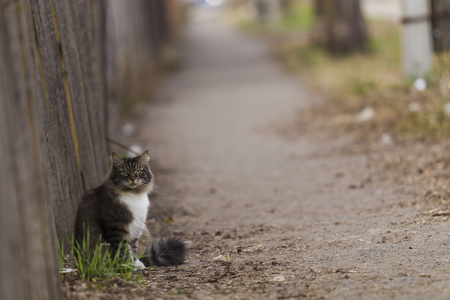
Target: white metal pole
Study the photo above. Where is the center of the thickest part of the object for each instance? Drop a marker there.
(417, 43)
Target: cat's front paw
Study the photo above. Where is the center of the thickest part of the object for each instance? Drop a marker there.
(138, 264)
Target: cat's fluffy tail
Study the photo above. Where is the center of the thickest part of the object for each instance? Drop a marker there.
(167, 251)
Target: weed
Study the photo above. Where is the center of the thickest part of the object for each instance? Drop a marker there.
(98, 263)
(62, 258)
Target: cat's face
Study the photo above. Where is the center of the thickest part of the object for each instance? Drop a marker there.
(132, 174)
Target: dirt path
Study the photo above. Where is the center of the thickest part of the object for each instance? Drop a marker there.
(297, 215)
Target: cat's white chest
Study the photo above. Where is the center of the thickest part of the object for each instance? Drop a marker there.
(138, 205)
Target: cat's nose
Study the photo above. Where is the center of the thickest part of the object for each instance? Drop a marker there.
(132, 177)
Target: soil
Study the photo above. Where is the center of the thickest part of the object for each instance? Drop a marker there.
(274, 210)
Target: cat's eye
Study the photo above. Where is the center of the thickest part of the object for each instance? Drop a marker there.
(124, 173)
(138, 172)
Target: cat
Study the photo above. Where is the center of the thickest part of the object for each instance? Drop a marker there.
(116, 213)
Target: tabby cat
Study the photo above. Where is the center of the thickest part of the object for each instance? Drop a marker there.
(116, 213)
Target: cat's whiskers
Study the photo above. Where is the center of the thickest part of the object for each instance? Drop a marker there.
(120, 187)
(157, 189)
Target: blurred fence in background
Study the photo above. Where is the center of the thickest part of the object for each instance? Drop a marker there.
(66, 68)
(138, 36)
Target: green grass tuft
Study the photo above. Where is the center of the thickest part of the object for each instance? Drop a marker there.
(99, 264)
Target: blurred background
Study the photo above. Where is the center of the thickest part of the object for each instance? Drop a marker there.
(72, 75)
(387, 60)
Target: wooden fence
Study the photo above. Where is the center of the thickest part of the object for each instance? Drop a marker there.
(58, 77)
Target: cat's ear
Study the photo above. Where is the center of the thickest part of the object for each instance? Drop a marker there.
(144, 158)
(116, 159)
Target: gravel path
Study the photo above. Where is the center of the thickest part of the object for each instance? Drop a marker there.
(272, 212)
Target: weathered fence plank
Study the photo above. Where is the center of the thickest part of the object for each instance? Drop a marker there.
(76, 57)
(77, 143)
(60, 124)
(28, 260)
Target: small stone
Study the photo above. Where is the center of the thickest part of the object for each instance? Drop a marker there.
(365, 115)
(414, 107)
(223, 258)
(386, 139)
(135, 149)
(420, 84)
(279, 278)
(128, 129)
